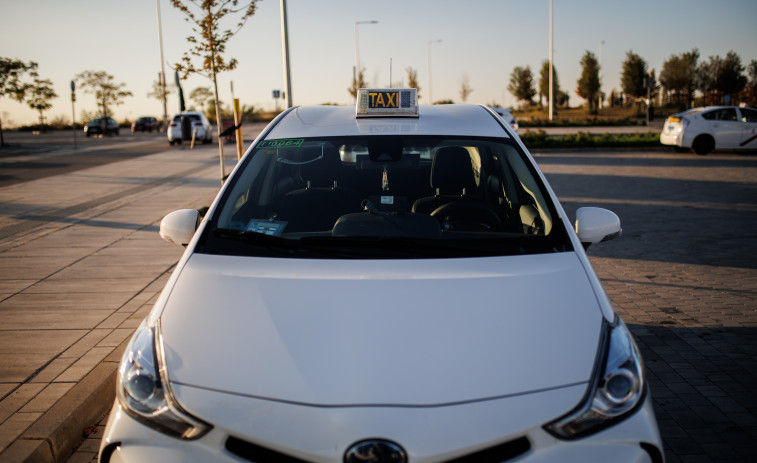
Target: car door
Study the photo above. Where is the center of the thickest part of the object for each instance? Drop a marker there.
(749, 128)
(725, 127)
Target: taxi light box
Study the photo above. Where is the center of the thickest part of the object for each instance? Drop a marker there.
(387, 102)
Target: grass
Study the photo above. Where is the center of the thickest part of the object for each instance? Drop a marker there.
(540, 139)
(578, 117)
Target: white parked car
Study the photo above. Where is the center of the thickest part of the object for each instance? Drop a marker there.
(507, 115)
(192, 120)
(712, 128)
(384, 283)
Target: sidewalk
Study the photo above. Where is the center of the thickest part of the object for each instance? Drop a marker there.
(81, 264)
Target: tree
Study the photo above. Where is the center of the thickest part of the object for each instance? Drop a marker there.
(730, 78)
(522, 84)
(40, 94)
(201, 96)
(750, 92)
(544, 84)
(678, 77)
(720, 77)
(588, 83)
(358, 83)
(106, 91)
(11, 71)
(160, 91)
(209, 44)
(633, 75)
(412, 81)
(465, 88)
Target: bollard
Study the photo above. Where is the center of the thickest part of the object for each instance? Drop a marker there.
(194, 137)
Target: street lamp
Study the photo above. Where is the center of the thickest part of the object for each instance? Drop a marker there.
(357, 51)
(430, 100)
(551, 65)
(285, 44)
(162, 77)
(600, 73)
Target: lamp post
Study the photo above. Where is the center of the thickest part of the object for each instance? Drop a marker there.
(551, 67)
(430, 100)
(285, 40)
(357, 51)
(600, 73)
(162, 77)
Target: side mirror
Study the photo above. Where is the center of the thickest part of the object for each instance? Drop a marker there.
(594, 225)
(179, 227)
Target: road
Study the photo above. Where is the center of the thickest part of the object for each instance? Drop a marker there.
(31, 156)
(683, 276)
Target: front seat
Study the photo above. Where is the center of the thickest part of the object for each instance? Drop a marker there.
(317, 206)
(453, 179)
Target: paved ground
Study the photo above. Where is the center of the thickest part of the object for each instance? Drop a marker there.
(75, 285)
(683, 276)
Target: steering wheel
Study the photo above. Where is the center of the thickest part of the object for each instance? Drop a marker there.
(467, 216)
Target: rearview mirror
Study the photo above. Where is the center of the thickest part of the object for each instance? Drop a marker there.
(594, 225)
(179, 227)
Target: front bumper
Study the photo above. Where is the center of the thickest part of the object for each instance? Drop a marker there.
(428, 434)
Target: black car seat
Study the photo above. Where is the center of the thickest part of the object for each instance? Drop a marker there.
(453, 205)
(317, 206)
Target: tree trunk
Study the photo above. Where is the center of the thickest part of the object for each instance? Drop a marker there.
(219, 128)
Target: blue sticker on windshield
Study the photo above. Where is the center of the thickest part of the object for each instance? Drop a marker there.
(266, 227)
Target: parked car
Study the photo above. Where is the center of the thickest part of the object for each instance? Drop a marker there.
(193, 120)
(384, 283)
(145, 124)
(95, 127)
(711, 128)
(507, 115)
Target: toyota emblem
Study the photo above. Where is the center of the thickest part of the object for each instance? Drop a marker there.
(375, 451)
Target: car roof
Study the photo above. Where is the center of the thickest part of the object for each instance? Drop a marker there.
(448, 120)
(708, 108)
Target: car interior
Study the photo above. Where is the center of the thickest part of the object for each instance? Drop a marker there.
(387, 186)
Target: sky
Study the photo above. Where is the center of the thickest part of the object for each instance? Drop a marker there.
(478, 41)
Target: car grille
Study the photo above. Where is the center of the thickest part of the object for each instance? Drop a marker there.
(256, 453)
(497, 454)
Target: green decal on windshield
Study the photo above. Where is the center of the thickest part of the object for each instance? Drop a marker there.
(288, 143)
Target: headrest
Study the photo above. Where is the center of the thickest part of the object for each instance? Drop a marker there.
(321, 165)
(452, 170)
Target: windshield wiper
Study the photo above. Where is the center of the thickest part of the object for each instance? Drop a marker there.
(290, 247)
(390, 247)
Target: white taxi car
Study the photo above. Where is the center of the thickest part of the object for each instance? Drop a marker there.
(385, 283)
(712, 128)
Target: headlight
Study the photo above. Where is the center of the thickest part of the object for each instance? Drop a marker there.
(616, 391)
(144, 393)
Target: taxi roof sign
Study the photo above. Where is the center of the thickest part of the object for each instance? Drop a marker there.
(372, 102)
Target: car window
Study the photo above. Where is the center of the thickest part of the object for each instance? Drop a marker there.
(748, 115)
(723, 114)
(464, 196)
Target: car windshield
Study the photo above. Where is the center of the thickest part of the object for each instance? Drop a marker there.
(385, 197)
(688, 112)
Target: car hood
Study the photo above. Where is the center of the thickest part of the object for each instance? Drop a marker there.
(381, 332)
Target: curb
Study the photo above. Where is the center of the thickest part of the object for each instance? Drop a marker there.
(57, 433)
